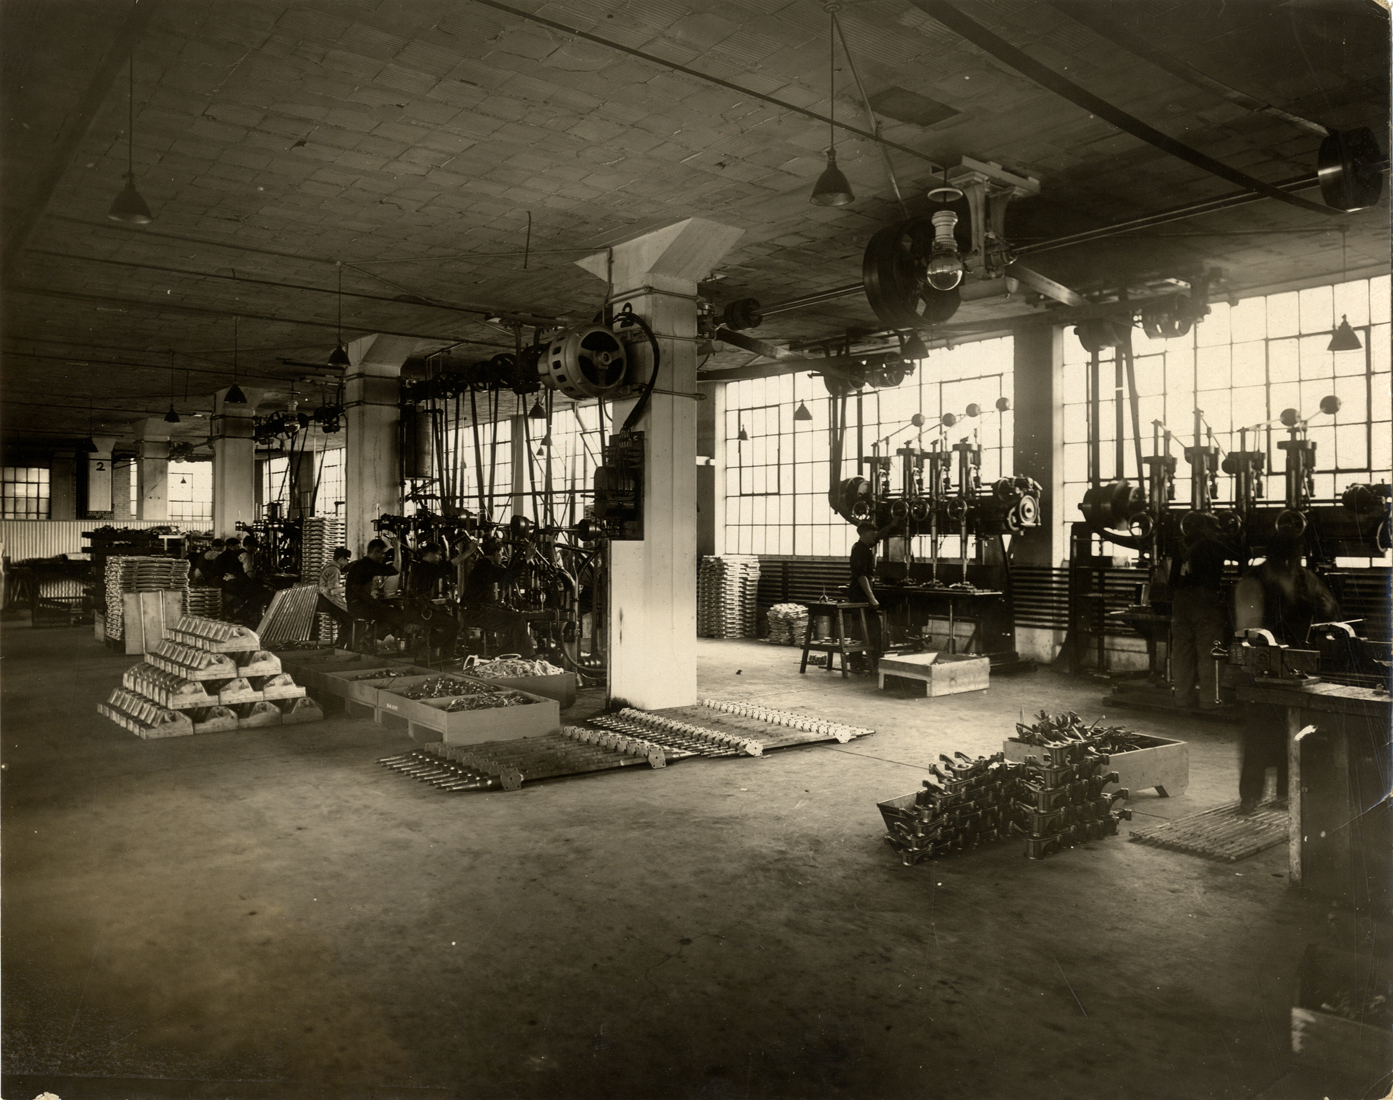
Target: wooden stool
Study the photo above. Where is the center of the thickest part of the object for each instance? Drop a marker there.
(839, 644)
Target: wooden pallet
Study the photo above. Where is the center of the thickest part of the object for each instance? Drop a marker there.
(1221, 833)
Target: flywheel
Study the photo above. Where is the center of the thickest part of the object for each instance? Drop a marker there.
(894, 273)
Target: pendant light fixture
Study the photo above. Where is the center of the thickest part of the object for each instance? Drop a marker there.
(235, 396)
(171, 417)
(832, 187)
(128, 207)
(802, 413)
(537, 411)
(339, 356)
(1344, 338)
(743, 436)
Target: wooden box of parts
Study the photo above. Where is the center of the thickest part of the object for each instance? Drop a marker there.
(939, 673)
(527, 715)
(1161, 764)
(561, 686)
(1343, 1018)
(320, 671)
(363, 685)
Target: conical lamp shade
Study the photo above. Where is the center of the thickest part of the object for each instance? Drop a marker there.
(832, 188)
(537, 412)
(915, 348)
(171, 417)
(1344, 338)
(128, 207)
(339, 357)
(235, 396)
(802, 413)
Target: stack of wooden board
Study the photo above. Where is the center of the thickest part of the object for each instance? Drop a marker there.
(726, 590)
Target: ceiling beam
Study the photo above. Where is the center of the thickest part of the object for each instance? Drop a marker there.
(74, 130)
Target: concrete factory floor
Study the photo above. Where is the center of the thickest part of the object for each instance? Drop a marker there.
(273, 914)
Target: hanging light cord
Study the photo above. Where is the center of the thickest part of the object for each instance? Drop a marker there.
(831, 10)
(340, 320)
(870, 111)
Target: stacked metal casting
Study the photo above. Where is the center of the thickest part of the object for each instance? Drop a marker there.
(1061, 791)
(134, 573)
(204, 677)
(726, 588)
(788, 623)
(1054, 800)
(971, 803)
(319, 536)
(290, 616)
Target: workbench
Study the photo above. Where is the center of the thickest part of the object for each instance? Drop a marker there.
(1340, 776)
(974, 605)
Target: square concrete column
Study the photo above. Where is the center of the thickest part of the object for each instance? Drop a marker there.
(99, 474)
(152, 470)
(1038, 444)
(652, 601)
(234, 462)
(372, 455)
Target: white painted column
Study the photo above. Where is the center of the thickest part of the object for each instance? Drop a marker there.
(152, 470)
(234, 462)
(372, 419)
(652, 599)
(99, 473)
(520, 457)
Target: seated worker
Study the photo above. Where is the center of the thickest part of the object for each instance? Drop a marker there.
(358, 587)
(481, 602)
(1283, 596)
(203, 564)
(331, 600)
(427, 578)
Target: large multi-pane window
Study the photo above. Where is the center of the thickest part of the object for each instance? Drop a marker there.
(330, 498)
(777, 479)
(191, 495)
(24, 492)
(1241, 368)
(275, 483)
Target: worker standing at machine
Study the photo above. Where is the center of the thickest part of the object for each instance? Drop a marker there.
(861, 587)
(1284, 597)
(427, 580)
(358, 586)
(1197, 614)
(481, 596)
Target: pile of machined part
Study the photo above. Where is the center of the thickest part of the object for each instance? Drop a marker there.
(623, 739)
(1054, 799)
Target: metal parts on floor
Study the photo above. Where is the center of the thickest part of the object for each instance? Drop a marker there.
(1054, 800)
(612, 741)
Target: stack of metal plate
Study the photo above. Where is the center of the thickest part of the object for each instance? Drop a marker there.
(726, 591)
(318, 538)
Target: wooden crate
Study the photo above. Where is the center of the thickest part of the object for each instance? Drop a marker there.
(940, 673)
(561, 686)
(149, 617)
(355, 685)
(428, 720)
(1332, 1041)
(1163, 765)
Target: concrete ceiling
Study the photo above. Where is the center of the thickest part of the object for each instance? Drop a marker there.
(413, 141)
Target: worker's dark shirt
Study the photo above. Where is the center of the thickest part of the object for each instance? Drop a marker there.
(229, 563)
(1202, 567)
(862, 565)
(357, 583)
(423, 576)
(479, 589)
(1291, 601)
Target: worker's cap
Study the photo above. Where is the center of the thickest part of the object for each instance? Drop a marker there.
(491, 545)
(341, 553)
